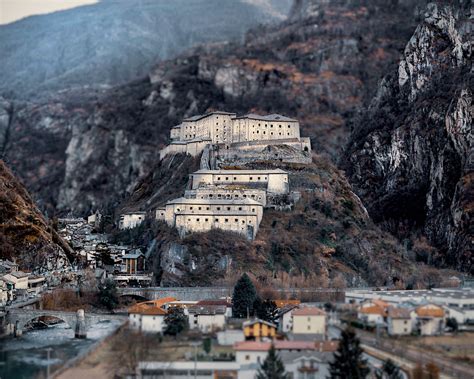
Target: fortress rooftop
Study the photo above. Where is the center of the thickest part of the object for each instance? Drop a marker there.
(243, 201)
(242, 172)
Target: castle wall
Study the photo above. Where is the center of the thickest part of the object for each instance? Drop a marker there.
(229, 193)
(193, 148)
(239, 223)
(276, 180)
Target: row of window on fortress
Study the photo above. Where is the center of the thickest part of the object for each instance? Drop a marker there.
(250, 178)
(253, 126)
(217, 208)
(229, 196)
(236, 220)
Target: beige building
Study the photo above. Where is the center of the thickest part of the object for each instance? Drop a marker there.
(275, 181)
(309, 320)
(429, 319)
(195, 132)
(199, 215)
(17, 280)
(399, 321)
(131, 219)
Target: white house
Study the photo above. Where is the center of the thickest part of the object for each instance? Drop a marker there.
(207, 318)
(372, 311)
(309, 320)
(148, 319)
(285, 318)
(17, 279)
(399, 321)
(429, 319)
(131, 220)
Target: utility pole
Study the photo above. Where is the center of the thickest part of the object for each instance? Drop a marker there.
(48, 352)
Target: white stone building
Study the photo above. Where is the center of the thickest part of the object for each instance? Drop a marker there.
(227, 192)
(223, 128)
(199, 215)
(274, 181)
(130, 220)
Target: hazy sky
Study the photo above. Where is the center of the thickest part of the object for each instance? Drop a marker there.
(12, 10)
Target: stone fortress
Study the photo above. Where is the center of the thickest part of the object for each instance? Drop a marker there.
(233, 199)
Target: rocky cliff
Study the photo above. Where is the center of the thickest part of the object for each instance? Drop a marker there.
(411, 155)
(24, 233)
(82, 149)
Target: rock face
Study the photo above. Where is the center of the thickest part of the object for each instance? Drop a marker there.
(113, 42)
(77, 150)
(411, 156)
(24, 233)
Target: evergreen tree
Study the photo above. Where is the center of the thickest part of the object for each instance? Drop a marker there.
(266, 310)
(452, 324)
(348, 362)
(108, 294)
(176, 321)
(243, 298)
(272, 367)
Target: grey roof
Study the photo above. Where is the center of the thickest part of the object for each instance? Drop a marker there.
(201, 116)
(291, 356)
(132, 255)
(241, 172)
(242, 201)
(269, 117)
(207, 309)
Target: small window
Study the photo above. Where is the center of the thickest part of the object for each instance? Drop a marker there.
(236, 220)
(279, 126)
(235, 178)
(251, 178)
(190, 207)
(206, 219)
(207, 208)
(199, 208)
(253, 210)
(258, 178)
(240, 208)
(226, 178)
(228, 208)
(226, 220)
(197, 220)
(218, 178)
(218, 208)
(216, 220)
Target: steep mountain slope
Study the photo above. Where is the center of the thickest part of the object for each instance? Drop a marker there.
(117, 41)
(24, 233)
(327, 239)
(320, 66)
(411, 157)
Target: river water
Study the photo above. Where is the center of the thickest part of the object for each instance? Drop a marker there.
(27, 357)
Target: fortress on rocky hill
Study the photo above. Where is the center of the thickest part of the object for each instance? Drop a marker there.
(233, 199)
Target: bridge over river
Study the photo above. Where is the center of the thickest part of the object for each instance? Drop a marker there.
(78, 321)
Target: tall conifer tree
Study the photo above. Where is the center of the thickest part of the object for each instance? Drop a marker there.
(272, 367)
(348, 362)
(243, 298)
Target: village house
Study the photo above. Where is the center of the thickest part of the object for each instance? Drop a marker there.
(131, 220)
(299, 357)
(429, 319)
(147, 319)
(309, 320)
(399, 321)
(285, 318)
(133, 263)
(372, 312)
(4, 293)
(36, 284)
(207, 318)
(259, 329)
